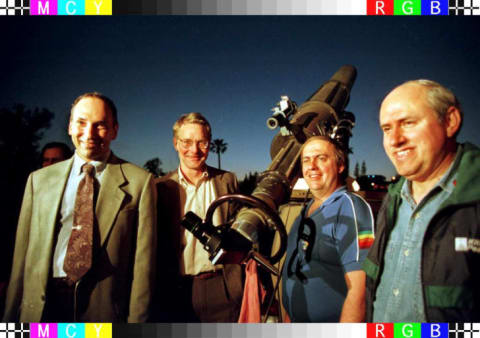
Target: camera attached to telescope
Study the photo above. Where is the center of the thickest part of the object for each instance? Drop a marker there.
(251, 233)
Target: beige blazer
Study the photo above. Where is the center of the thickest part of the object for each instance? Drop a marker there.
(119, 285)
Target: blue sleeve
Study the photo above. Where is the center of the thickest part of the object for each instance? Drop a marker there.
(353, 231)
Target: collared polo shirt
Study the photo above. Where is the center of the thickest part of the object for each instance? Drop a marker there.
(321, 249)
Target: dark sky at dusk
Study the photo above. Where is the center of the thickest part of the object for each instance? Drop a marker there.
(232, 69)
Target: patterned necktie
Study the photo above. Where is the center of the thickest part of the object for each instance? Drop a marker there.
(78, 259)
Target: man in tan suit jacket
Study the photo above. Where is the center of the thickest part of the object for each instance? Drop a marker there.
(118, 286)
(189, 287)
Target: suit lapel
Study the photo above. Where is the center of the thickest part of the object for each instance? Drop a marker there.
(178, 197)
(50, 193)
(220, 190)
(110, 197)
(51, 199)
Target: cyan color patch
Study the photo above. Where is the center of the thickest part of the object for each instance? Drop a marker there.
(71, 7)
(71, 330)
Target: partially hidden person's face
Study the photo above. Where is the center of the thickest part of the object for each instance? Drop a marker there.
(414, 138)
(92, 129)
(320, 168)
(192, 145)
(52, 156)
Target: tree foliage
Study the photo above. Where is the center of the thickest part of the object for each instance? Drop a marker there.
(248, 184)
(218, 146)
(20, 132)
(154, 166)
(356, 171)
(363, 171)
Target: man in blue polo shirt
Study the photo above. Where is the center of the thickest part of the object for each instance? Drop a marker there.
(322, 276)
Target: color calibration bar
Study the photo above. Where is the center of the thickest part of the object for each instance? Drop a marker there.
(240, 7)
(373, 330)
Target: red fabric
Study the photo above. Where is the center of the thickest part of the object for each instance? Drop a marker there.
(252, 293)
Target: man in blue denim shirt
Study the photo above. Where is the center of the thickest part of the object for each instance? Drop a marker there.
(423, 264)
(322, 276)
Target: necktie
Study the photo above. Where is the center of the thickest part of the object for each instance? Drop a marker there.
(78, 259)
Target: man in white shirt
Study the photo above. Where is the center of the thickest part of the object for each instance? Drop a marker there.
(190, 288)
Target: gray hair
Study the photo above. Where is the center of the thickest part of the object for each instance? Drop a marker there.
(439, 98)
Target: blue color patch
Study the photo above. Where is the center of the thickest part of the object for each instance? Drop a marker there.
(434, 330)
(434, 7)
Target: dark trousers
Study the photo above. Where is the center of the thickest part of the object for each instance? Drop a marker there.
(212, 301)
(59, 305)
(207, 298)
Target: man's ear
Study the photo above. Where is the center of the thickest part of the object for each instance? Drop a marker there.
(174, 140)
(115, 131)
(452, 121)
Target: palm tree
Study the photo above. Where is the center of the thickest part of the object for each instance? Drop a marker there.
(219, 147)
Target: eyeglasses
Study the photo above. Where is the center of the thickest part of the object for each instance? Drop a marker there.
(188, 143)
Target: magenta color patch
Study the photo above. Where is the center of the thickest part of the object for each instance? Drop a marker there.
(43, 7)
(43, 330)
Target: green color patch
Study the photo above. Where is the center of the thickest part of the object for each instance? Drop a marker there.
(407, 7)
(407, 330)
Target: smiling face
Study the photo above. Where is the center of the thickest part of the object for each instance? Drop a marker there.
(92, 129)
(415, 139)
(320, 168)
(192, 144)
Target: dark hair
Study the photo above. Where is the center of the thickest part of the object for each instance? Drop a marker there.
(67, 152)
(341, 155)
(105, 99)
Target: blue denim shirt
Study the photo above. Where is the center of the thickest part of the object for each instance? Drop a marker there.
(399, 296)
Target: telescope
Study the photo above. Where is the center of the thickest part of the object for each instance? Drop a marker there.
(251, 233)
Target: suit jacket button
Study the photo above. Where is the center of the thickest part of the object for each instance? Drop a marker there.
(43, 297)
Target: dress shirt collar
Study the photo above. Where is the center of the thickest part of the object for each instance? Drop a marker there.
(183, 180)
(78, 162)
(447, 182)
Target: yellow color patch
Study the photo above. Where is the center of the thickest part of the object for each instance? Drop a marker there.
(98, 7)
(98, 330)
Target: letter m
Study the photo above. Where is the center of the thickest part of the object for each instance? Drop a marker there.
(44, 8)
(43, 332)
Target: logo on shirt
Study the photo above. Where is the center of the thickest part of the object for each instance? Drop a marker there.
(463, 244)
(365, 239)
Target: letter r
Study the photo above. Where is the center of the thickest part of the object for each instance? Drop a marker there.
(379, 5)
(379, 330)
